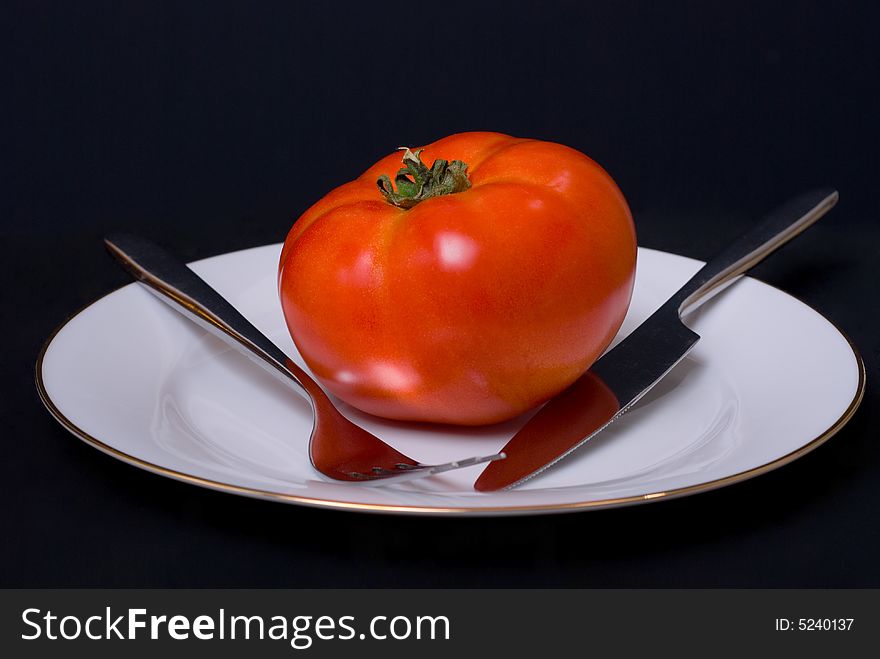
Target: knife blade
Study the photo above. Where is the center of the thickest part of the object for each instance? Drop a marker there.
(624, 374)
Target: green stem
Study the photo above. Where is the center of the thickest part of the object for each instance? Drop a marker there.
(415, 182)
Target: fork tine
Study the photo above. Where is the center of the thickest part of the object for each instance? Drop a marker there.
(406, 472)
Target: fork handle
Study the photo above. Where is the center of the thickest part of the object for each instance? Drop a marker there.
(751, 248)
(176, 284)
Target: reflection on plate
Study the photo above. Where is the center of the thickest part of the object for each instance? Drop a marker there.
(770, 380)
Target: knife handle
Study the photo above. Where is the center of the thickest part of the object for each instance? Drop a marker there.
(751, 248)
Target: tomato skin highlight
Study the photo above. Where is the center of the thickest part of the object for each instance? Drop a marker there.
(468, 308)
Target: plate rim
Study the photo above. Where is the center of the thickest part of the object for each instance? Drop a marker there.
(335, 504)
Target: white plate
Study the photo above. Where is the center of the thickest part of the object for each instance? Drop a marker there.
(770, 380)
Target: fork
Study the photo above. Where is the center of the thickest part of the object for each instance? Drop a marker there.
(338, 448)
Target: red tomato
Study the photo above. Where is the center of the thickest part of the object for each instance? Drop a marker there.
(470, 293)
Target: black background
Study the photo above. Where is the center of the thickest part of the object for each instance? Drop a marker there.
(211, 126)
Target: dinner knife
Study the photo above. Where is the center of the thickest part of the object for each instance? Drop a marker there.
(624, 374)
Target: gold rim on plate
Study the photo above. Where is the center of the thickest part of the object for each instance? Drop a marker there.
(452, 510)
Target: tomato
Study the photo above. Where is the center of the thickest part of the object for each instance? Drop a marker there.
(470, 289)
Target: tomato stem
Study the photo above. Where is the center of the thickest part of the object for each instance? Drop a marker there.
(415, 182)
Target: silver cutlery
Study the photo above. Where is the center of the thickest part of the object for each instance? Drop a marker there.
(624, 374)
(338, 448)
